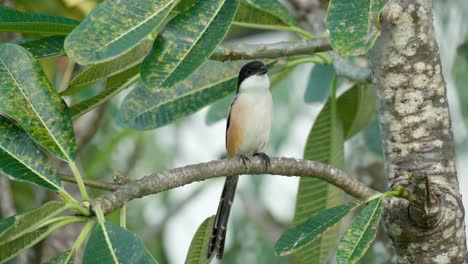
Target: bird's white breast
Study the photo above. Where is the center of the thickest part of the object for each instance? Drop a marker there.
(255, 99)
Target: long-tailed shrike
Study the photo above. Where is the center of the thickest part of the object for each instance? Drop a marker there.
(247, 132)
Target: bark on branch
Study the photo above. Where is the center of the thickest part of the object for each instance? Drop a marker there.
(173, 178)
(271, 51)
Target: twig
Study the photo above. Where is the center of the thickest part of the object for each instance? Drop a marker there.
(7, 204)
(271, 51)
(107, 186)
(173, 178)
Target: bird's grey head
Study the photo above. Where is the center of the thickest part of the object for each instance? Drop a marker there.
(253, 77)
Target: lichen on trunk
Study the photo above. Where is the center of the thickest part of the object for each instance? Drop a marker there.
(417, 137)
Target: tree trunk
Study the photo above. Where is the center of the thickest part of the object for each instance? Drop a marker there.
(417, 137)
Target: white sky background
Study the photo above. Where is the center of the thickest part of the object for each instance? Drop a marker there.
(200, 142)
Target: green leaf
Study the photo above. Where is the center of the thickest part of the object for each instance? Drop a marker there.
(148, 109)
(110, 243)
(20, 159)
(318, 87)
(187, 42)
(104, 70)
(6, 223)
(29, 220)
(47, 47)
(273, 8)
(324, 144)
(12, 248)
(123, 77)
(266, 14)
(115, 85)
(299, 236)
(62, 258)
(353, 25)
(360, 234)
(199, 245)
(356, 108)
(28, 97)
(373, 139)
(114, 27)
(12, 20)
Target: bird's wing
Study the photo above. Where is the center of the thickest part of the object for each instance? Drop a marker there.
(234, 129)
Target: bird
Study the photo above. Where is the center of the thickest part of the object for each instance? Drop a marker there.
(247, 133)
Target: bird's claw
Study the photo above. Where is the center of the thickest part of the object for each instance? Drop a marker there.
(264, 157)
(244, 160)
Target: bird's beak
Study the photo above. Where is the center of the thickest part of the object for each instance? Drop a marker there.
(263, 70)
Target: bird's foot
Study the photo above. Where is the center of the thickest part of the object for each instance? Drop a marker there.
(244, 160)
(264, 157)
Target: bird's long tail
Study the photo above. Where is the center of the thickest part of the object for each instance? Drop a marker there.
(218, 232)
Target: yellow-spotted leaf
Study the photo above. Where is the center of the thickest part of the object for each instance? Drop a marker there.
(28, 98)
(360, 234)
(103, 70)
(147, 109)
(186, 42)
(20, 159)
(354, 25)
(114, 27)
(114, 85)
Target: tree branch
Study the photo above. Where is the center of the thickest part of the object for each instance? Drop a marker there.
(173, 178)
(271, 51)
(417, 137)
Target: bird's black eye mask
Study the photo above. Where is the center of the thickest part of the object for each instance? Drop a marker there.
(249, 69)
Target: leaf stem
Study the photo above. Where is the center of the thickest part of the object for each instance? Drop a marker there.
(123, 215)
(78, 208)
(81, 238)
(302, 32)
(79, 181)
(312, 59)
(65, 196)
(54, 220)
(401, 192)
(99, 215)
(373, 197)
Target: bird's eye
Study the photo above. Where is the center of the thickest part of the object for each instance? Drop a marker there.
(249, 72)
